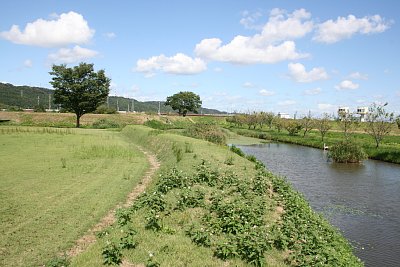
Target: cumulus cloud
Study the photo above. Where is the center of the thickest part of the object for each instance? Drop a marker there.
(333, 31)
(286, 103)
(265, 92)
(178, 64)
(68, 28)
(28, 63)
(358, 76)
(298, 73)
(242, 50)
(314, 91)
(68, 55)
(347, 85)
(274, 43)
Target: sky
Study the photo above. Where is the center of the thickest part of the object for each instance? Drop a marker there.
(239, 56)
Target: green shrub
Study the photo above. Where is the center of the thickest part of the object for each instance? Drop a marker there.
(39, 108)
(106, 124)
(159, 125)
(237, 150)
(347, 151)
(104, 109)
(208, 132)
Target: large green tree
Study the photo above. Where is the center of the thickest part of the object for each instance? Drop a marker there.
(184, 102)
(79, 89)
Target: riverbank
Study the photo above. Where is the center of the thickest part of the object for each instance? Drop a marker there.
(211, 207)
(389, 149)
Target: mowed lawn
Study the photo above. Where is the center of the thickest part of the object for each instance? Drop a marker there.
(57, 183)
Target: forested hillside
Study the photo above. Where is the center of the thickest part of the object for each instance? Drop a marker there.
(30, 97)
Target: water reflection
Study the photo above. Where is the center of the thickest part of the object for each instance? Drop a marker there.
(362, 200)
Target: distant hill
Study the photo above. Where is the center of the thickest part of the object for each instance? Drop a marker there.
(29, 97)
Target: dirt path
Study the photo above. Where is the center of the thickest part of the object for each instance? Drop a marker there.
(89, 238)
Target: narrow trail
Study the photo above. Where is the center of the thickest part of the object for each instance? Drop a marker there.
(89, 238)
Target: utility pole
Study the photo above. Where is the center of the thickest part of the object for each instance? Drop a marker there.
(38, 100)
(133, 105)
(49, 102)
(108, 102)
(159, 108)
(128, 107)
(22, 93)
(117, 105)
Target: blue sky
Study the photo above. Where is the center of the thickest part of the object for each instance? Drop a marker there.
(280, 56)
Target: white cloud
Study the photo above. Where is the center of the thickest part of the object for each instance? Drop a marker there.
(28, 63)
(274, 43)
(218, 69)
(283, 26)
(326, 107)
(333, 31)
(298, 73)
(110, 35)
(249, 85)
(347, 85)
(249, 20)
(286, 103)
(243, 50)
(68, 28)
(76, 54)
(265, 92)
(178, 64)
(314, 91)
(358, 76)
(398, 93)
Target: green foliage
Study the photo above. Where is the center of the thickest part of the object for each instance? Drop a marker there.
(229, 161)
(156, 124)
(58, 262)
(200, 236)
(79, 89)
(39, 108)
(189, 198)
(236, 150)
(347, 151)
(104, 109)
(128, 240)
(112, 254)
(398, 122)
(208, 132)
(184, 102)
(105, 123)
(379, 122)
(177, 152)
(293, 127)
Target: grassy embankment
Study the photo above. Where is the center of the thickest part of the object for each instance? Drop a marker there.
(389, 149)
(210, 207)
(57, 183)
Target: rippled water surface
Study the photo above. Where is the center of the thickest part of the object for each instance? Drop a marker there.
(363, 201)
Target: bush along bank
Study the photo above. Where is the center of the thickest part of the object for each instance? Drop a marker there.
(388, 151)
(204, 212)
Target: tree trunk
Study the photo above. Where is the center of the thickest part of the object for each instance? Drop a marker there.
(78, 117)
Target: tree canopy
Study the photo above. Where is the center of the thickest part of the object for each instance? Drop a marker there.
(79, 89)
(184, 102)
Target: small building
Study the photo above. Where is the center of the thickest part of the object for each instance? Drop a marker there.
(283, 115)
(363, 112)
(343, 111)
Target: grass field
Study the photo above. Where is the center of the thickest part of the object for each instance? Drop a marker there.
(55, 184)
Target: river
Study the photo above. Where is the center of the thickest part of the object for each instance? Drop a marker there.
(362, 200)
